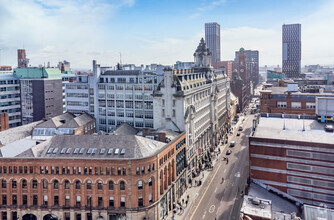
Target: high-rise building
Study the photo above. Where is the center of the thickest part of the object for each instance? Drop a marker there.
(212, 39)
(22, 60)
(252, 65)
(291, 46)
(41, 93)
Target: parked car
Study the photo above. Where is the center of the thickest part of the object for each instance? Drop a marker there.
(232, 143)
(329, 128)
(228, 152)
(240, 128)
(238, 134)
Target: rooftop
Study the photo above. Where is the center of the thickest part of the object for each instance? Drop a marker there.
(273, 128)
(100, 147)
(317, 213)
(256, 207)
(37, 73)
(279, 90)
(14, 134)
(66, 120)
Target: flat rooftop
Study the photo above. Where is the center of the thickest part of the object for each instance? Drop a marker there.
(253, 206)
(313, 212)
(274, 128)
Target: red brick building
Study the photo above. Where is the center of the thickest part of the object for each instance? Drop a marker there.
(93, 177)
(294, 158)
(278, 100)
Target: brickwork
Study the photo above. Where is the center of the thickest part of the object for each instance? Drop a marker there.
(88, 185)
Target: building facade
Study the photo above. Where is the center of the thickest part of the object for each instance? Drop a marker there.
(291, 50)
(41, 93)
(212, 39)
(294, 158)
(115, 97)
(279, 100)
(252, 65)
(241, 82)
(195, 101)
(22, 61)
(10, 97)
(87, 177)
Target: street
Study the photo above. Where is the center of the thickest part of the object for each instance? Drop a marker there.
(221, 198)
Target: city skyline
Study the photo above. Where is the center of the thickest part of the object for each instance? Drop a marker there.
(150, 32)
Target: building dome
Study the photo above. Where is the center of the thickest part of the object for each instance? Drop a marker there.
(242, 49)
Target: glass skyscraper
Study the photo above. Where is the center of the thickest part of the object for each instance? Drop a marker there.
(291, 50)
(212, 40)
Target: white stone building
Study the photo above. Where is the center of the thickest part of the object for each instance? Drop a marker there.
(196, 101)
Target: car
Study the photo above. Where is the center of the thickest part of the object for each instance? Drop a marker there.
(238, 134)
(329, 128)
(228, 152)
(232, 143)
(240, 128)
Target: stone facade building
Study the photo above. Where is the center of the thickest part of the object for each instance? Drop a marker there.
(195, 101)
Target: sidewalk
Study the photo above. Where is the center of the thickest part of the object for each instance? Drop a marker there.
(194, 191)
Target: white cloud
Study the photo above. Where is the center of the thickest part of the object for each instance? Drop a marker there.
(54, 30)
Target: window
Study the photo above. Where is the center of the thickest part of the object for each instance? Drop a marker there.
(281, 104)
(45, 200)
(99, 201)
(140, 201)
(150, 182)
(143, 170)
(122, 201)
(150, 199)
(24, 184)
(78, 202)
(4, 184)
(140, 185)
(67, 201)
(137, 171)
(67, 184)
(34, 184)
(122, 185)
(111, 185)
(99, 185)
(77, 184)
(124, 171)
(296, 105)
(45, 184)
(14, 199)
(14, 184)
(310, 105)
(56, 184)
(111, 201)
(24, 200)
(34, 200)
(119, 171)
(89, 184)
(56, 200)
(4, 200)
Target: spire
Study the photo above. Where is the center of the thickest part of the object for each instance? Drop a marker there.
(202, 55)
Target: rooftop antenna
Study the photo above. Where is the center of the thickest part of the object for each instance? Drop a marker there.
(120, 58)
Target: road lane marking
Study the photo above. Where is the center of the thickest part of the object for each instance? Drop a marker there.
(216, 190)
(212, 178)
(212, 208)
(204, 215)
(225, 170)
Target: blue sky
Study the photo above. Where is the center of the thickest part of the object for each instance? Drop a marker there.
(159, 31)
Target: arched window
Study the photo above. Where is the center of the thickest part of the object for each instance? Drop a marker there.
(24, 184)
(150, 181)
(140, 185)
(122, 185)
(99, 185)
(89, 184)
(56, 184)
(111, 185)
(14, 184)
(77, 184)
(45, 184)
(34, 184)
(67, 184)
